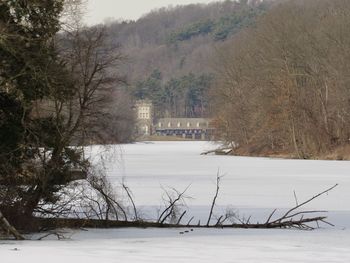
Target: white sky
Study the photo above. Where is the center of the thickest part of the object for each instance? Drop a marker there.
(100, 10)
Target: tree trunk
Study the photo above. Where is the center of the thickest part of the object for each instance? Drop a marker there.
(9, 228)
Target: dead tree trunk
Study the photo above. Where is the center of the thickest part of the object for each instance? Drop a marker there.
(9, 228)
(218, 177)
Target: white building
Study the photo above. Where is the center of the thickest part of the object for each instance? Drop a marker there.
(144, 116)
(191, 128)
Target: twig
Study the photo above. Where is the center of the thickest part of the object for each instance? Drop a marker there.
(268, 220)
(295, 198)
(189, 221)
(180, 218)
(127, 190)
(170, 207)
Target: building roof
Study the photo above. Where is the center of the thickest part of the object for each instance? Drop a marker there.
(143, 102)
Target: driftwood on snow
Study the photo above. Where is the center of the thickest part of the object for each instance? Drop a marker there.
(220, 151)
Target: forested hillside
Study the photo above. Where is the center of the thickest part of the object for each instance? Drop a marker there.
(283, 86)
(276, 70)
(168, 52)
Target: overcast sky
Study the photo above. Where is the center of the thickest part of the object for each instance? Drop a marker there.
(100, 10)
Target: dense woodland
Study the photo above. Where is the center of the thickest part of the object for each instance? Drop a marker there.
(283, 86)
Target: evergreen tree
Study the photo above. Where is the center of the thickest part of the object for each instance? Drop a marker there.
(31, 71)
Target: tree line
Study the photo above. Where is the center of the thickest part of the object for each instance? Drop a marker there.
(220, 28)
(186, 96)
(179, 40)
(283, 86)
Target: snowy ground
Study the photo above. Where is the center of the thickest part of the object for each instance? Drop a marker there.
(251, 186)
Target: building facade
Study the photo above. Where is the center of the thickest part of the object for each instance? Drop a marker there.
(190, 128)
(144, 117)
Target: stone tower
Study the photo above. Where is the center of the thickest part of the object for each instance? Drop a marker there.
(144, 117)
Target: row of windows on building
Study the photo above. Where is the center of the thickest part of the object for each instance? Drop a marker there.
(144, 112)
(179, 124)
(144, 109)
(144, 115)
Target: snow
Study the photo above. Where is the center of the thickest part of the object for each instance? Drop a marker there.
(166, 245)
(250, 186)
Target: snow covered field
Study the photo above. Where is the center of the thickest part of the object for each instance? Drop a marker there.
(251, 186)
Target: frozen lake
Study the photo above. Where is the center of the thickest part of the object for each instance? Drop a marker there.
(252, 186)
(247, 182)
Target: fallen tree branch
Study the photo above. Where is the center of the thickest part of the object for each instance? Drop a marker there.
(59, 235)
(220, 151)
(96, 223)
(290, 219)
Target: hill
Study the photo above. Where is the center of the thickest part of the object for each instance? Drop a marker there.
(168, 51)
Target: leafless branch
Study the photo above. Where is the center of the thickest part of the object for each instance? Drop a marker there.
(218, 178)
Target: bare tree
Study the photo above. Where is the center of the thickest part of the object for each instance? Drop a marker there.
(280, 89)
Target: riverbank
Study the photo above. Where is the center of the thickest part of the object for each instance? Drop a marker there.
(155, 138)
(337, 153)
